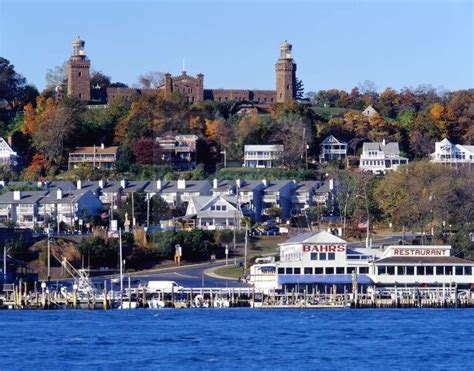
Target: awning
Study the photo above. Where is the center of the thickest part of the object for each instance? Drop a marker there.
(323, 279)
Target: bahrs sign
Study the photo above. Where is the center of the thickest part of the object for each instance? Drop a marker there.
(324, 248)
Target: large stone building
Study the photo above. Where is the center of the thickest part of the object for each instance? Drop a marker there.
(191, 87)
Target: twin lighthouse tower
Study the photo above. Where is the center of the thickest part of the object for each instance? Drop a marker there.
(192, 88)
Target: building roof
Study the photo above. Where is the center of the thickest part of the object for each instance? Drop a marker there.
(306, 186)
(331, 139)
(27, 197)
(276, 185)
(249, 186)
(415, 260)
(202, 202)
(224, 185)
(98, 150)
(171, 186)
(68, 196)
(263, 147)
(322, 237)
(387, 148)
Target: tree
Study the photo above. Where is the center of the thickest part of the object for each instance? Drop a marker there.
(13, 86)
(159, 209)
(56, 76)
(125, 160)
(299, 89)
(151, 80)
(146, 150)
(99, 79)
(37, 168)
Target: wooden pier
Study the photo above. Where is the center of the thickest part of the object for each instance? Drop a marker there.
(21, 296)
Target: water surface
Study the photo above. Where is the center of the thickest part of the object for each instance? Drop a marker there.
(410, 339)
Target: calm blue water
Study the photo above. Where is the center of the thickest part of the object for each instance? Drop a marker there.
(238, 338)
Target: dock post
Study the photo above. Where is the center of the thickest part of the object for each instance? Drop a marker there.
(191, 297)
(211, 299)
(129, 294)
(74, 298)
(105, 296)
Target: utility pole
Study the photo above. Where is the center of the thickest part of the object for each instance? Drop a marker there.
(121, 263)
(305, 149)
(133, 210)
(245, 249)
(148, 211)
(49, 256)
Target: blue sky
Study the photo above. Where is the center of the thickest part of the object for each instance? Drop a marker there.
(337, 44)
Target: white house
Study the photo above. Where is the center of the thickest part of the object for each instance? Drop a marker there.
(449, 153)
(380, 157)
(7, 155)
(262, 155)
(332, 149)
(369, 111)
(214, 212)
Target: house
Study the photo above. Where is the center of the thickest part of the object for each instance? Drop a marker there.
(332, 149)
(380, 157)
(21, 207)
(68, 206)
(278, 194)
(96, 156)
(262, 155)
(250, 198)
(304, 195)
(181, 151)
(223, 187)
(369, 111)
(214, 212)
(31, 208)
(177, 192)
(449, 153)
(8, 157)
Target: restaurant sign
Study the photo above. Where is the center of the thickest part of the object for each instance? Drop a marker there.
(418, 252)
(324, 248)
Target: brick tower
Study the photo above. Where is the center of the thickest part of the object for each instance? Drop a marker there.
(285, 70)
(78, 77)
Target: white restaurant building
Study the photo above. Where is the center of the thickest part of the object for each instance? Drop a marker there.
(316, 261)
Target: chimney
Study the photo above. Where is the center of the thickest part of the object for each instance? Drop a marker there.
(181, 184)
(331, 184)
(17, 195)
(102, 145)
(123, 183)
(265, 182)
(59, 194)
(214, 183)
(158, 184)
(79, 184)
(239, 183)
(383, 141)
(101, 184)
(10, 140)
(2, 183)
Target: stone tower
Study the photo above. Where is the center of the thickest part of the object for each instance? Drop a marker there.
(285, 70)
(78, 77)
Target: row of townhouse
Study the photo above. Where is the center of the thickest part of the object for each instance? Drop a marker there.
(211, 205)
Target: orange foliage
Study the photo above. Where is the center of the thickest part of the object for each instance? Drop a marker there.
(33, 116)
(37, 168)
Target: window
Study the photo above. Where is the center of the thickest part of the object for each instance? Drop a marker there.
(458, 271)
(448, 270)
(440, 271)
(314, 256)
(308, 270)
(429, 271)
(340, 270)
(349, 270)
(420, 271)
(468, 271)
(289, 271)
(223, 207)
(281, 270)
(297, 271)
(391, 271)
(363, 270)
(318, 270)
(381, 270)
(322, 256)
(80, 73)
(329, 270)
(331, 256)
(213, 208)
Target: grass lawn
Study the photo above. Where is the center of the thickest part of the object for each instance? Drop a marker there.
(264, 245)
(231, 271)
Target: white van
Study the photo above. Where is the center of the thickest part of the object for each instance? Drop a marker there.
(162, 286)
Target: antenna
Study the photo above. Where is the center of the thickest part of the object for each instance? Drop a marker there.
(184, 64)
